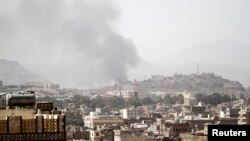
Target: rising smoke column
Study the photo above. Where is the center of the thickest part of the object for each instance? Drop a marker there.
(72, 42)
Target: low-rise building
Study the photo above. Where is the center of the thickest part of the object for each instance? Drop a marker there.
(134, 113)
(95, 135)
(125, 94)
(93, 120)
(193, 137)
(130, 135)
(170, 128)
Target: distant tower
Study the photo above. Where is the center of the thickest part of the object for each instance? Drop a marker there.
(198, 69)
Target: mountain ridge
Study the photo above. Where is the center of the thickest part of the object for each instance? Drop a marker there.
(227, 58)
(205, 83)
(13, 73)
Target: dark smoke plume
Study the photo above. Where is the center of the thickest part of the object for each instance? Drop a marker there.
(72, 42)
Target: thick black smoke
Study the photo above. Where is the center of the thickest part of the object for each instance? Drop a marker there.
(72, 42)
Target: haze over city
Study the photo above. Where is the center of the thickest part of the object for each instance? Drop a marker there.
(124, 70)
(92, 43)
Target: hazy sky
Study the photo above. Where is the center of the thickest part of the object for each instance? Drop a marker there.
(162, 27)
(71, 42)
(94, 42)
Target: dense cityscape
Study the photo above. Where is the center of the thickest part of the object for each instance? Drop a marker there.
(121, 113)
(124, 70)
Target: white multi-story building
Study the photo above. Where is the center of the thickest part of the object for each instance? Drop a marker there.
(133, 113)
(89, 120)
(93, 120)
(125, 94)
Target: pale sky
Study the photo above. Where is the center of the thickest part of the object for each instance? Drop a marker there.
(88, 43)
(162, 27)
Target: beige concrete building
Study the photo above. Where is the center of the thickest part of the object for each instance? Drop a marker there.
(120, 135)
(23, 120)
(170, 128)
(244, 116)
(193, 137)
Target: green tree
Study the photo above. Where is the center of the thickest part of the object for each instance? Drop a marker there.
(233, 97)
(115, 102)
(97, 102)
(147, 101)
(225, 98)
(57, 103)
(79, 99)
(199, 97)
(168, 100)
(242, 96)
(214, 99)
(180, 99)
(134, 102)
